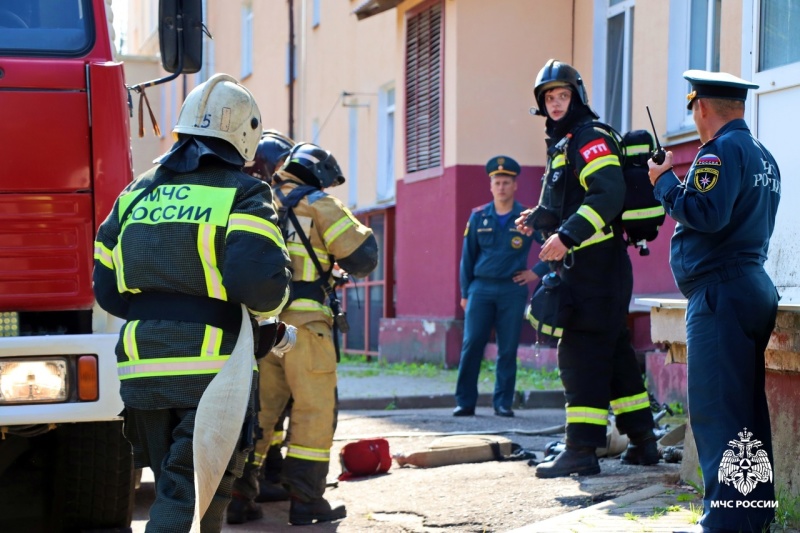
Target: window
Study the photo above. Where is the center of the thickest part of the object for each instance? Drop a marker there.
(619, 36)
(291, 67)
(386, 180)
(694, 44)
(779, 39)
(352, 157)
(423, 89)
(247, 40)
(315, 131)
(368, 300)
(39, 28)
(315, 13)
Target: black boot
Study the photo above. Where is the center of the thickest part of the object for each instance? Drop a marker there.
(642, 450)
(242, 510)
(573, 460)
(319, 510)
(271, 492)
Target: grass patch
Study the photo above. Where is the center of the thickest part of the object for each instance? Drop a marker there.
(356, 365)
(787, 515)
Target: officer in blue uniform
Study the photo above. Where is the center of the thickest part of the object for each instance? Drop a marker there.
(725, 211)
(494, 278)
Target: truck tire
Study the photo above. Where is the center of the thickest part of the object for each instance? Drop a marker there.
(94, 477)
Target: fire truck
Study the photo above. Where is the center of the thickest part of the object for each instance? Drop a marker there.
(65, 464)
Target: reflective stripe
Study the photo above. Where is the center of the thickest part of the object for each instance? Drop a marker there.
(170, 366)
(558, 161)
(637, 149)
(306, 305)
(258, 459)
(277, 438)
(269, 313)
(587, 415)
(259, 226)
(119, 269)
(103, 254)
(129, 340)
(546, 329)
(309, 454)
(631, 403)
(208, 259)
(594, 239)
(297, 251)
(337, 228)
(212, 341)
(594, 166)
(639, 214)
(592, 216)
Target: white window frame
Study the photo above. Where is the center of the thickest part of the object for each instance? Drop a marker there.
(603, 12)
(247, 41)
(207, 67)
(679, 119)
(352, 163)
(386, 150)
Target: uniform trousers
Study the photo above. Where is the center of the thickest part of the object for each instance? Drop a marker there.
(728, 324)
(498, 304)
(307, 374)
(162, 439)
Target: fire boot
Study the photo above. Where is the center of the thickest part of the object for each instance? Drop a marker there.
(318, 510)
(241, 510)
(642, 450)
(270, 488)
(581, 460)
(271, 492)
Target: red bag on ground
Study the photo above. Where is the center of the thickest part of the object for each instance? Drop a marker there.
(365, 457)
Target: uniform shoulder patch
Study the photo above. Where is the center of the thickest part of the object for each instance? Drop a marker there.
(705, 178)
(709, 160)
(594, 149)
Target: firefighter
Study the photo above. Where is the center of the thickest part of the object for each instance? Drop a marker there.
(308, 373)
(587, 249)
(184, 246)
(263, 468)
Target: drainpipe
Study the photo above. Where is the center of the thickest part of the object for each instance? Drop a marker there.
(291, 69)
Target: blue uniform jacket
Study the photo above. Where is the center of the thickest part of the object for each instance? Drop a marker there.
(491, 251)
(725, 207)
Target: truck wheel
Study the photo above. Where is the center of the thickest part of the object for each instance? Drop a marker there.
(94, 477)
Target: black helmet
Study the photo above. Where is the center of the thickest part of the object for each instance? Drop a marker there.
(557, 74)
(314, 166)
(272, 149)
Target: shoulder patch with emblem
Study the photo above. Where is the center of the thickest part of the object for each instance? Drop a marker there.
(594, 149)
(705, 178)
(516, 242)
(709, 160)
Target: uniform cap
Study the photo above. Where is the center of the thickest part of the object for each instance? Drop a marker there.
(707, 84)
(502, 165)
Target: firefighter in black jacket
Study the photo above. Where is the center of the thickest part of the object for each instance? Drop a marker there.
(177, 266)
(597, 363)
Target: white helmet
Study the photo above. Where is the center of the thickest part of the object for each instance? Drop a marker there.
(221, 107)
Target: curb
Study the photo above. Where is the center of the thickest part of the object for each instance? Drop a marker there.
(546, 399)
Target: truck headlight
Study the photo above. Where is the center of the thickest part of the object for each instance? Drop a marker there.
(25, 381)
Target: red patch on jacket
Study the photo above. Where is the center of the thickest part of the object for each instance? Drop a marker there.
(594, 149)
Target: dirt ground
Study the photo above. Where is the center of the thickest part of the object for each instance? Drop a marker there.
(478, 497)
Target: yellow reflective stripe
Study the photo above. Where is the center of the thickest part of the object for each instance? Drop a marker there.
(630, 403)
(587, 415)
(170, 366)
(337, 228)
(558, 161)
(597, 164)
(129, 340)
(637, 149)
(259, 226)
(594, 239)
(592, 216)
(273, 312)
(208, 259)
(212, 341)
(103, 254)
(309, 454)
(119, 268)
(546, 329)
(277, 438)
(258, 459)
(297, 251)
(639, 214)
(193, 204)
(306, 305)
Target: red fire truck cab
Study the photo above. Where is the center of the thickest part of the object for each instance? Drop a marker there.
(64, 157)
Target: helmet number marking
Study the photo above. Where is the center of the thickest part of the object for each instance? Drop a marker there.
(206, 120)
